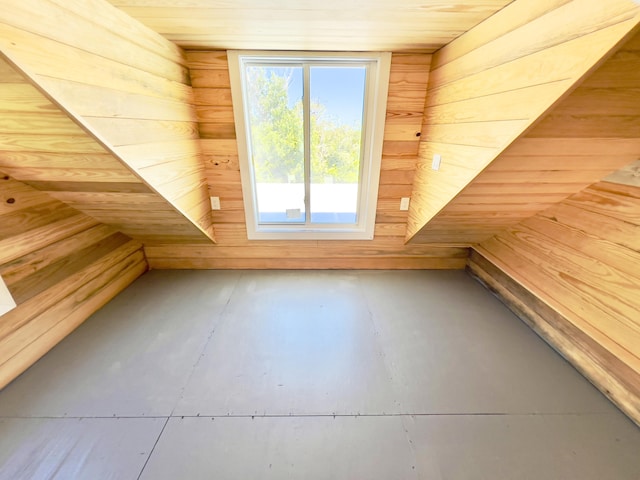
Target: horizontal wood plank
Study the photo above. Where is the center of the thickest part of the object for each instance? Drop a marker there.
(586, 247)
(115, 86)
(417, 26)
(587, 136)
(60, 266)
(605, 370)
(402, 263)
(57, 324)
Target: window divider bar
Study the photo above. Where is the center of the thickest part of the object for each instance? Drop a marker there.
(306, 102)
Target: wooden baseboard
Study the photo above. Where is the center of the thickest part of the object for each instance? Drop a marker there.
(616, 380)
(68, 307)
(328, 263)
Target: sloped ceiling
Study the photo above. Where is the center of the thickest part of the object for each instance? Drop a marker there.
(486, 91)
(407, 26)
(427, 26)
(591, 133)
(41, 146)
(129, 89)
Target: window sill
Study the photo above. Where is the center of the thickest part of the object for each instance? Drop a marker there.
(293, 233)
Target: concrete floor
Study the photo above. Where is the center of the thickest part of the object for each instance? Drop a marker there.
(314, 375)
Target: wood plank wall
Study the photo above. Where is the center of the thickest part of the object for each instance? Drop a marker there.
(573, 272)
(210, 77)
(125, 84)
(591, 133)
(42, 147)
(60, 266)
(490, 85)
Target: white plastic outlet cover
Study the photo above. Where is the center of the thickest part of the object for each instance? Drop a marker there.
(628, 175)
(435, 164)
(7, 302)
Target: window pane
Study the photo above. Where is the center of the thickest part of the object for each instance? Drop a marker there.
(337, 104)
(274, 98)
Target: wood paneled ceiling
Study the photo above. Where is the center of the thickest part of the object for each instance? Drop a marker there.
(391, 25)
(114, 74)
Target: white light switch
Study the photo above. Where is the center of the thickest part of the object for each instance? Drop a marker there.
(435, 164)
(404, 203)
(215, 203)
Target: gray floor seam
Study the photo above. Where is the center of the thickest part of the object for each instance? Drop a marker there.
(376, 334)
(206, 344)
(320, 374)
(312, 415)
(153, 448)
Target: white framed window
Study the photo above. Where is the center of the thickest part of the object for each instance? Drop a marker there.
(309, 127)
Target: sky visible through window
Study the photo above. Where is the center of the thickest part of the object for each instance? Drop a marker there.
(310, 159)
(336, 88)
(277, 136)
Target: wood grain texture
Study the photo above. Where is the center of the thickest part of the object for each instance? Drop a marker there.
(127, 90)
(490, 86)
(316, 263)
(592, 132)
(413, 25)
(407, 89)
(43, 147)
(578, 260)
(60, 266)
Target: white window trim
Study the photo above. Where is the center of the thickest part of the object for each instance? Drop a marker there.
(373, 139)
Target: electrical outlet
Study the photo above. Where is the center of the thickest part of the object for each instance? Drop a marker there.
(404, 203)
(6, 300)
(215, 203)
(435, 164)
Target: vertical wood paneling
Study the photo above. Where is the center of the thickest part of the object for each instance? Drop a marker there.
(579, 259)
(142, 83)
(489, 86)
(592, 132)
(408, 80)
(60, 266)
